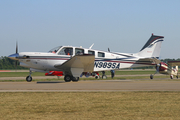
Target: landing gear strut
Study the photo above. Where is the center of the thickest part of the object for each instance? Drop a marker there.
(29, 78)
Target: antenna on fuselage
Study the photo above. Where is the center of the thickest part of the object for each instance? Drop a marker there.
(91, 46)
(108, 50)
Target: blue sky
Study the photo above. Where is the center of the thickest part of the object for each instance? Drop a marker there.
(122, 25)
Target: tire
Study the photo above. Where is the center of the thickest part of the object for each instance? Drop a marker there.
(151, 76)
(104, 77)
(97, 77)
(75, 79)
(67, 78)
(177, 76)
(171, 76)
(28, 78)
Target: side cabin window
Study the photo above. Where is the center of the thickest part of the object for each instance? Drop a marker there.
(79, 51)
(66, 51)
(91, 52)
(101, 54)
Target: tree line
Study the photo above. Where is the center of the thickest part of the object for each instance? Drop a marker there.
(7, 63)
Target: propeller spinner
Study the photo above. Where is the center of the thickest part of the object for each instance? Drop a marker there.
(16, 55)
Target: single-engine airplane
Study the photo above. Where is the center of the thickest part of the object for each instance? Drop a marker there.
(171, 68)
(73, 61)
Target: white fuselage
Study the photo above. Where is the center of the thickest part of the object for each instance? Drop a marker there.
(103, 60)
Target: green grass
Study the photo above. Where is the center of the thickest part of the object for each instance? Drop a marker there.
(90, 106)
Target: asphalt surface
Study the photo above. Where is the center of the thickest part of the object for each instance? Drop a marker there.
(90, 86)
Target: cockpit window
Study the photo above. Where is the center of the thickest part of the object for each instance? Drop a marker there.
(54, 50)
(66, 51)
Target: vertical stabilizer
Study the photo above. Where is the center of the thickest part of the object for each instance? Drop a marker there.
(152, 48)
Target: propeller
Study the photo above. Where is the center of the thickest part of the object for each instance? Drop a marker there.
(16, 62)
(16, 47)
(15, 56)
(157, 67)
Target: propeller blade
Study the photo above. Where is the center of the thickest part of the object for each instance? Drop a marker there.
(157, 67)
(16, 47)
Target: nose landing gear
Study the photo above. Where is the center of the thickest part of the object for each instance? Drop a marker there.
(29, 78)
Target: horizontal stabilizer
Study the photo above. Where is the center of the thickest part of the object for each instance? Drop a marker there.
(149, 61)
(174, 63)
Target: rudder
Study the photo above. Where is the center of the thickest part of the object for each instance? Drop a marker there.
(152, 47)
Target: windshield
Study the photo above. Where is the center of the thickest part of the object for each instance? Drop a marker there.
(54, 50)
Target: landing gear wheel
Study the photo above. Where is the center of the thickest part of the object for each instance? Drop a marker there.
(97, 77)
(75, 79)
(151, 76)
(28, 78)
(104, 77)
(67, 78)
(171, 76)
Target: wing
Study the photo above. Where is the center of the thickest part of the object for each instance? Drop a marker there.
(174, 63)
(77, 64)
(148, 61)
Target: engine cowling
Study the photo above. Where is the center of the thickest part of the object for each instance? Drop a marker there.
(162, 68)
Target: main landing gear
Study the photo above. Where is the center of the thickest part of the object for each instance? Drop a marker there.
(29, 78)
(69, 78)
(171, 76)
